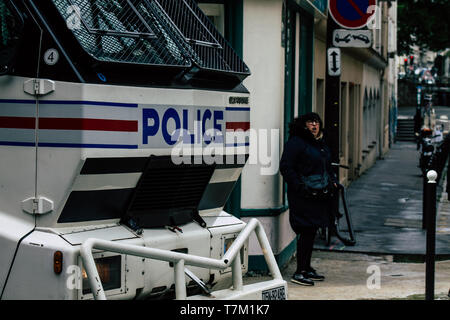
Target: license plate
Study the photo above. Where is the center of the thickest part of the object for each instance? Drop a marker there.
(274, 294)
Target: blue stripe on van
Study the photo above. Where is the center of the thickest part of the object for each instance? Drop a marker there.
(72, 102)
(17, 101)
(15, 143)
(237, 109)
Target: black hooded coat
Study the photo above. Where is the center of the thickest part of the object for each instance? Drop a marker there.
(303, 155)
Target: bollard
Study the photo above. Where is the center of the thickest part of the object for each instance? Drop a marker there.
(424, 201)
(431, 234)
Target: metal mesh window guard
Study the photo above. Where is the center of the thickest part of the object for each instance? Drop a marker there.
(120, 31)
(112, 18)
(208, 48)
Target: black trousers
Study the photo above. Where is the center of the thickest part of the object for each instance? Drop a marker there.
(305, 243)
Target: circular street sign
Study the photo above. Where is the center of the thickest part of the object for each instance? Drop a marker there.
(352, 14)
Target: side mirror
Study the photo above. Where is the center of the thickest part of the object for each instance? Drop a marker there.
(11, 32)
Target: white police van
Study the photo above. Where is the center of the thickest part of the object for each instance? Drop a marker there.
(123, 129)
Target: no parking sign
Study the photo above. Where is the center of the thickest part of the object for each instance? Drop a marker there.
(352, 14)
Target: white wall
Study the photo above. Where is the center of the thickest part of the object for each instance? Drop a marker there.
(264, 55)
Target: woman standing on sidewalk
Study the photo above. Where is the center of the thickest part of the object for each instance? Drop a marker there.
(306, 167)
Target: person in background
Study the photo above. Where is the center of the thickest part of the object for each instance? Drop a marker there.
(418, 121)
(306, 168)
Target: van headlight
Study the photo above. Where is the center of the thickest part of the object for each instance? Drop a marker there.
(109, 270)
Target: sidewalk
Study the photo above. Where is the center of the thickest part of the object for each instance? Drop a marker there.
(352, 276)
(348, 276)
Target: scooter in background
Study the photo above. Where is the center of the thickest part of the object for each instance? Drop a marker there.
(426, 150)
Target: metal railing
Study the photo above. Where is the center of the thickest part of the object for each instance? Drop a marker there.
(231, 257)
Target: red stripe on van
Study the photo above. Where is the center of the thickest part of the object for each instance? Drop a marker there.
(88, 124)
(238, 126)
(70, 124)
(17, 122)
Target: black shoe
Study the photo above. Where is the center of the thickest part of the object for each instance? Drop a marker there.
(300, 279)
(312, 274)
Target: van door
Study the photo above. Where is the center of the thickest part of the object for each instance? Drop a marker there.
(18, 111)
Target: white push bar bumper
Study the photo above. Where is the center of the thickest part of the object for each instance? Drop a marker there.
(275, 288)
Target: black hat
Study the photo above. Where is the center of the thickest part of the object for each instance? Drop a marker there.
(311, 116)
